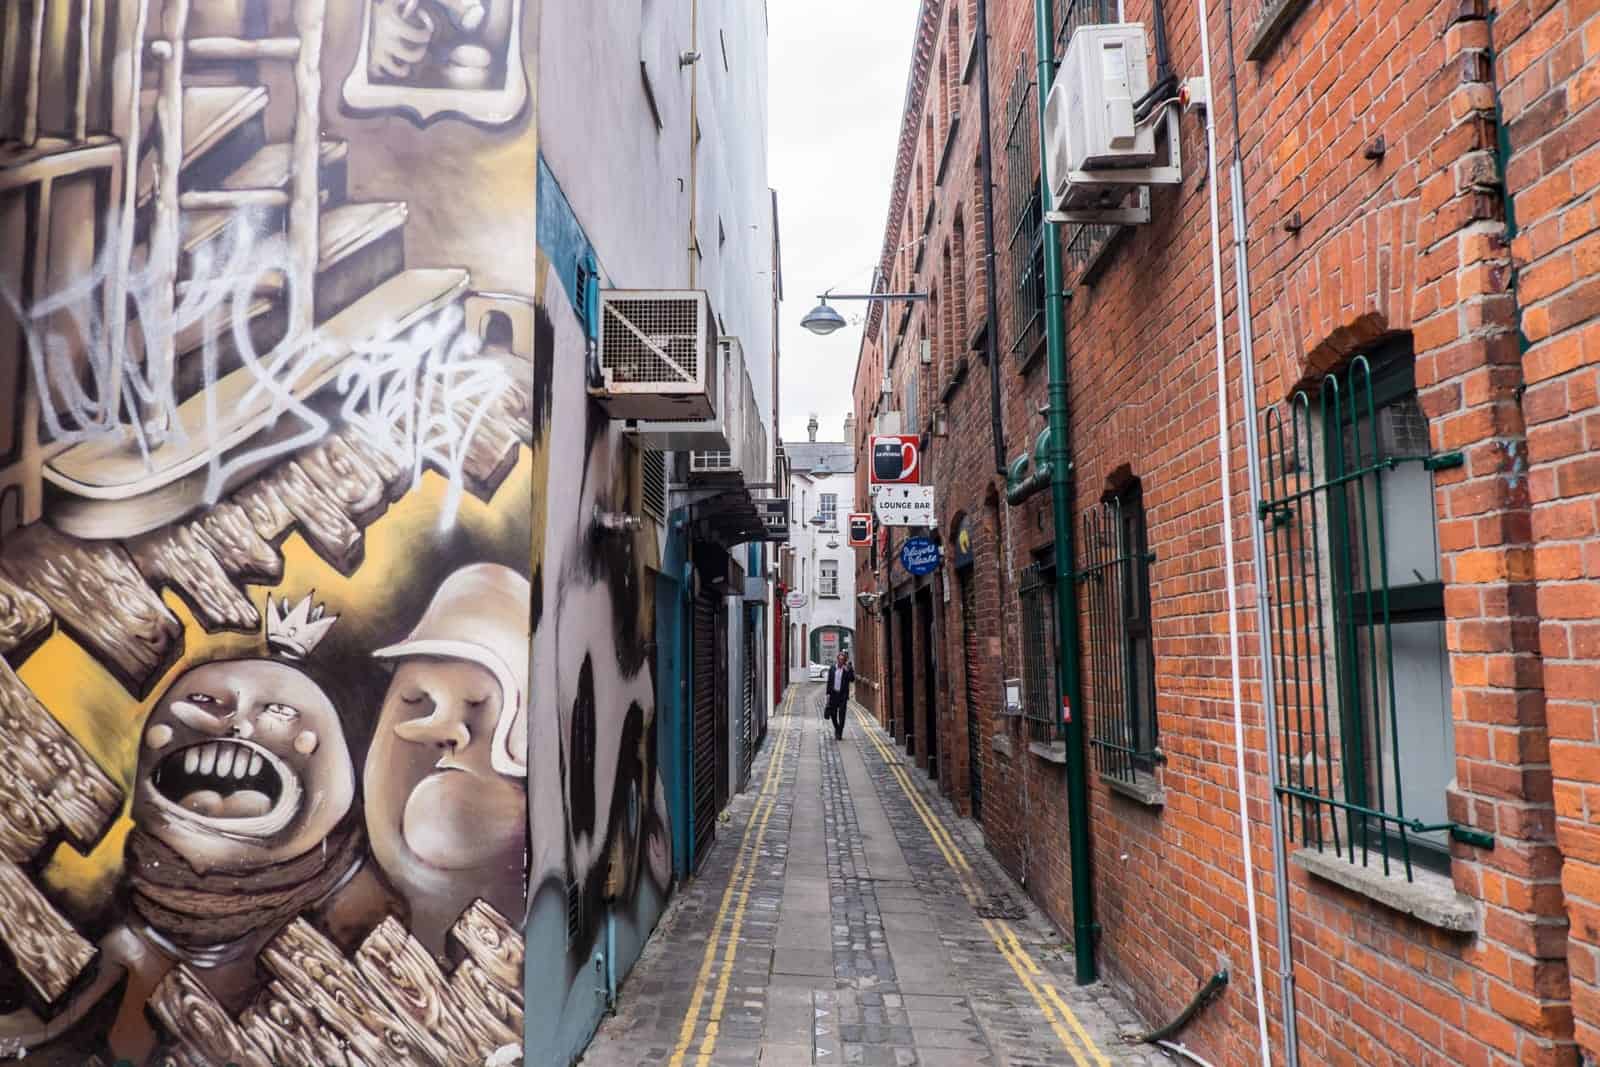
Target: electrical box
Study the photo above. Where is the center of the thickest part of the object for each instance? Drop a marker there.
(1089, 121)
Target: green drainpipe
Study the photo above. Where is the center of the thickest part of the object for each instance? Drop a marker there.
(1084, 927)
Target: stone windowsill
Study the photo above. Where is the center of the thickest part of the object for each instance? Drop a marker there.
(1144, 789)
(1430, 896)
(1273, 22)
(1050, 751)
(1001, 744)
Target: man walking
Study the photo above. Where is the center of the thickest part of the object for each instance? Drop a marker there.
(839, 679)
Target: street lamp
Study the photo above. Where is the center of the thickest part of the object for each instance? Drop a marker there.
(823, 320)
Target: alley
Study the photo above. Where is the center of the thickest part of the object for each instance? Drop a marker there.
(846, 916)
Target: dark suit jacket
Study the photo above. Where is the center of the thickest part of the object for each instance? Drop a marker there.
(842, 694)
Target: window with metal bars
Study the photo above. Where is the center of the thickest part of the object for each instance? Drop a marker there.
(1041, 697)
(1025, 218)
(1356, 612)
(1121, 666)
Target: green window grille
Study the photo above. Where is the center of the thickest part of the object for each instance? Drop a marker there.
(1121, 665)
(1025, 217)
(1041, 697)
(1356, 609)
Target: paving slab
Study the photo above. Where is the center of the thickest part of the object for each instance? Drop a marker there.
(859, 941)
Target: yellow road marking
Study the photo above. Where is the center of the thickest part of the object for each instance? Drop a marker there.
(764, 802)
(1004, 938)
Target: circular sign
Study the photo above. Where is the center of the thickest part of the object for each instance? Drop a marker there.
(919, 556)
(796, 601)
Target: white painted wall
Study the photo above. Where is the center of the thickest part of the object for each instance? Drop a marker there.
(629, 180)
(811, 549)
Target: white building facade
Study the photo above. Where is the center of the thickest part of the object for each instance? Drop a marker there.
(822, 594)
(652, 176)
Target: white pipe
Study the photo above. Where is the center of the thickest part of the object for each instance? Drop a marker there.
(1224, 449)
(1182, 1050)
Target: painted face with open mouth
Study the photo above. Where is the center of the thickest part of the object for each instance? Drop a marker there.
(243, 765)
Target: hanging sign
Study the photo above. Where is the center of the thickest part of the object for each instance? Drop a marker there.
(860, 529)
(896, 459)
(904, 505)
(796, 601)
(919, 556)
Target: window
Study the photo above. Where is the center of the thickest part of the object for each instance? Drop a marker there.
(1356, 610)
(1040, 695)
(828, 578)
(829, 510)
(1121, 664)
(1025, 219)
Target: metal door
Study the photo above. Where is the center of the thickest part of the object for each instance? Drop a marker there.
(930, 682)
(908, 674)
(703, 760)
(969, 657)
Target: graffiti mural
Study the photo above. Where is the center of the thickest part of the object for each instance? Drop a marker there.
(327, 676)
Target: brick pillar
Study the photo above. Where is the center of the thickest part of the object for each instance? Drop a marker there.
(1548, 64)
(1469, 381)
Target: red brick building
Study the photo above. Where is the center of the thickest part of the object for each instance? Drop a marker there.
(1415, 579)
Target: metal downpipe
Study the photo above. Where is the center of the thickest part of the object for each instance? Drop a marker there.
(1084, 928)
(991, 311)
(1252, 444)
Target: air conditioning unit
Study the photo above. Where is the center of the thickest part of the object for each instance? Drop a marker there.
(1096, 150)
(741, 454)
(774, 513)
(715, 434)
(658, 355)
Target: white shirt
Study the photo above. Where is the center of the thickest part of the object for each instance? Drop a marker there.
(838, 679)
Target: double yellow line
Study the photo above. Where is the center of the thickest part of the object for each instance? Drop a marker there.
(737, 896)
(1056, 1012)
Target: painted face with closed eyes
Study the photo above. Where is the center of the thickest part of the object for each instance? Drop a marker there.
(243, 764)
(433, 794)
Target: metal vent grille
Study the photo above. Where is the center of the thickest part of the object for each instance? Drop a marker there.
(653, 483)
(652, 339)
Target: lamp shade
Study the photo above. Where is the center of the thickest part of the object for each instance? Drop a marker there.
(823, 320)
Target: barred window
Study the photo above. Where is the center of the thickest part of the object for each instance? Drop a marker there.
(1356, 610)
(1121, 664)
(828, 578)
(1041, 696)
(1025, 218)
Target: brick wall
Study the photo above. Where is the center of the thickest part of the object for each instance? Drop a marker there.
(1349, 245)
(1547, 66)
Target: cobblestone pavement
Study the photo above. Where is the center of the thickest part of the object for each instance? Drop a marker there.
(847, 915)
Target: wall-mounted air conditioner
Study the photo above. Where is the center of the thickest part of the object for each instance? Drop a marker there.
(1099, 153)
(658, 355)
(717, 433)
(743, 453)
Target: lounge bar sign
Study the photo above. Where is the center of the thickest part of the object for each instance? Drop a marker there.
(904, 505)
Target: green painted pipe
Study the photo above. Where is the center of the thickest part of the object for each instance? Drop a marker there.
(1071, 680)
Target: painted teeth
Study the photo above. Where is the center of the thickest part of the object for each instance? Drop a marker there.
(208, 759)
(241, 764)
(255, 763)
(191, 761)
(224, 761)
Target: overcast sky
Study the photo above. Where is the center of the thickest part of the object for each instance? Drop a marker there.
(838, 80)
